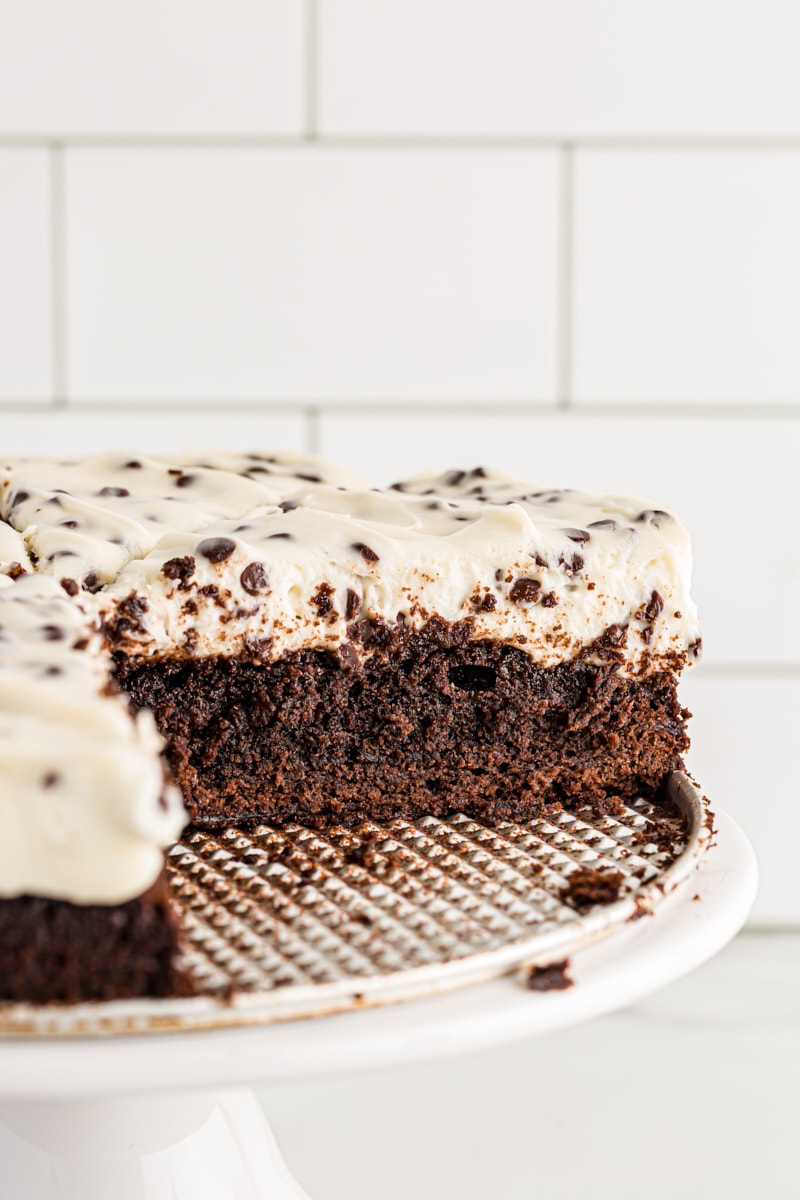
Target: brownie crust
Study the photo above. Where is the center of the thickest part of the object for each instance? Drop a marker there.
(53, 951)
(428, 722)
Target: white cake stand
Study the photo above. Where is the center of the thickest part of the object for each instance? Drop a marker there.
(172, 1117)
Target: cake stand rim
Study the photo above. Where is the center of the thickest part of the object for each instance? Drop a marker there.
(635, 961)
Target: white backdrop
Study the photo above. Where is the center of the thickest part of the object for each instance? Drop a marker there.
(560, 236)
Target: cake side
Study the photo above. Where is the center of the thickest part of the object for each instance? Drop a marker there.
(84, 808)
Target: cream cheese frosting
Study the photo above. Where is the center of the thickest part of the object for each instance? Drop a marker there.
(549, 571)
(84, 812)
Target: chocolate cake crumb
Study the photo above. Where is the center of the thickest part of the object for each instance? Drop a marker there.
(587, 887)
(551, 978)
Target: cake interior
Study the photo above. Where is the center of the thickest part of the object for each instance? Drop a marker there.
(53, 951)
(427, 721)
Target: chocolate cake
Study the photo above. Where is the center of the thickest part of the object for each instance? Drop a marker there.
(309, 649)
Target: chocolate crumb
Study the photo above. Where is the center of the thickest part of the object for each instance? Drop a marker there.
(551, 978)
(525, 591)
(587, 887)
(179, 568)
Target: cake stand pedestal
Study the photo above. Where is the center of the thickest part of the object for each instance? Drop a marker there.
(171, 1116)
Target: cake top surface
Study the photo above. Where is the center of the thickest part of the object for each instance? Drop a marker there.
(83, 806)
(263, 554)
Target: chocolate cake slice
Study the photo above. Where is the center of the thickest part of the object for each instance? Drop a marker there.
(84, 814)
(461, 642)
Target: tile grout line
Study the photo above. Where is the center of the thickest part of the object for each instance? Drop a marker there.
(499, 142)
(565, 277)
(312, 71)
(58, 277)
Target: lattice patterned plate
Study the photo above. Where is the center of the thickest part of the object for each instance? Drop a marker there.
(294, 922)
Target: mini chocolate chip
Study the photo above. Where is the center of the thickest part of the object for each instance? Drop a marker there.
(179, 568)
(216, 550)
(478, 473)
(348, 656)
(288, 505)
(113, 491)
(254, 578)
(53, 670)
(50, 779)
(454, 478)
(69, 524)
(525, 591)
(352, 605)
(365, 551)
(655, 606)
(309, 478)
(615, 635)
(53, 633)
(185, 481)
(20, 498)
(577, 535)
(397, 487)
(92, 582)
(133, 465)
(70, 586)
(258, 647)
(174, 470)
(609, 524)
(654, 516)
(274, 537)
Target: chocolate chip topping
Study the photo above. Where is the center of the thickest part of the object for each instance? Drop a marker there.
(113, 491)
(53, 633)
(185, 481)
(655, 606)
(70, 586)
(216, 550)
(274, 537)
(254, 578)
(365, 551)
(50, 779)
(525, 591)
(577, 535)
(607, 524)
(352, 605)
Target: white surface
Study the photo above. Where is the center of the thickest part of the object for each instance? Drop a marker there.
(321, 274)
(155, 430)
(760, 792)
(690, 1093)
(689, 284)
(164, 66)
(644, 956)
(24, 274)
(570, 67)
(708, 474)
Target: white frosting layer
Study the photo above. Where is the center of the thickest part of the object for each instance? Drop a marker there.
(84, 814)
(549, 572)
(84, 520)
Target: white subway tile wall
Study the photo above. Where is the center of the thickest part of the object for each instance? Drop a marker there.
(560, 237)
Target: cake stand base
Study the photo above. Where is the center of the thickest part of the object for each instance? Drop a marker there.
(173, 1146)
